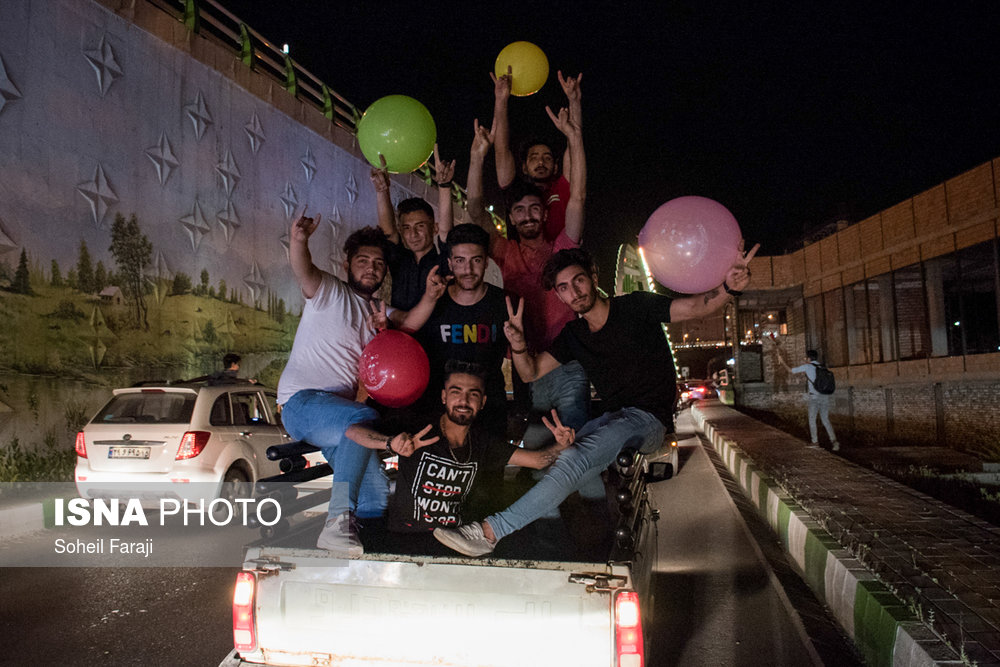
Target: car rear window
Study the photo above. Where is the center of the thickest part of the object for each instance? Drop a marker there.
(148, 408)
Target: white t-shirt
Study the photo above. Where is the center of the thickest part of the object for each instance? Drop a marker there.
(332, 333)
(810, 370)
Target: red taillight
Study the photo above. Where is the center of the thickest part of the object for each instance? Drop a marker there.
(628, 630)
(244, 632)
(81, 445)
(191, 445)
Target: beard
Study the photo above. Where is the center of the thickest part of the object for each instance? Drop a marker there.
(461, 418)
(533, 233)
(583, 306)
(365, 289)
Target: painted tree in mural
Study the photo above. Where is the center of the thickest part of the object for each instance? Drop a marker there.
(132, 252)
(57, 280)
(84, 270)
(21, 283)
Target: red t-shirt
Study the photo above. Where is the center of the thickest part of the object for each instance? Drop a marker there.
(521, 263)
(556, 196)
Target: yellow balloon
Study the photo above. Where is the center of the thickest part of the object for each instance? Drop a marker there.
(529, 67)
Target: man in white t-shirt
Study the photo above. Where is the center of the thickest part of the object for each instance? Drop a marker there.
(320, 382)
(818, 403)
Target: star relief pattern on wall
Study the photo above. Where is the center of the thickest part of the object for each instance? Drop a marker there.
(100, 194)
(197, 111)
(309, 165)
(8, 91)
(159, 276)
(229, 173)
(289, 200)
(196, 225)
(102, 59)
(352, 188)
(229, 220)
(163, 158)
(255, 133)
(255, 282)
(6, 243)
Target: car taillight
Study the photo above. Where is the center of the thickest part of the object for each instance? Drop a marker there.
(81, 445)
(244, 631)
(628, 630)
(191, 445)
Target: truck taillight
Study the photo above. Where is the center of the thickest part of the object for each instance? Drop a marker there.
(191, 445)
(628, 630)
(244, 631)
(81, 445)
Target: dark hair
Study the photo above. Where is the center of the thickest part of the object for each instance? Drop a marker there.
(520, 189)
(530, 143)
(364, 237)
(453, 366)
(564, 259)
(414, 204)
(469, 233)
(812, 355)
(230, 359)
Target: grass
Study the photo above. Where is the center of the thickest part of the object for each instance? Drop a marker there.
(49, 463)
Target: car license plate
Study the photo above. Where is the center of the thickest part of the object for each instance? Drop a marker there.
(128, 452)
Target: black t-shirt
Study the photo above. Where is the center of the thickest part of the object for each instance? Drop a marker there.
(628, 360)
(437, 484)
(409, 277)
(468, 333)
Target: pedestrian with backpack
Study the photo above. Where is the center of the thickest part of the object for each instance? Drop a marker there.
(820, 386)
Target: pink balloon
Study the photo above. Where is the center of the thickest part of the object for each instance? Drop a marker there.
(394, 369)
(690, 243)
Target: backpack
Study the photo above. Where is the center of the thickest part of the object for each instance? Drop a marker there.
(825, 382)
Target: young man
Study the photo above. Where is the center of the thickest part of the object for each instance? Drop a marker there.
(435, 485)
(819, 404)
(320, 382)
(538, 163)
(521, 262)
(467, 324)
(412, 252)
(621, 344)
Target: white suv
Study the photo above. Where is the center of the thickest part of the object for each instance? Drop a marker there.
(195, 432)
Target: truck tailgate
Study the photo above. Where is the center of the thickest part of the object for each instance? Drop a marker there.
(429, 611)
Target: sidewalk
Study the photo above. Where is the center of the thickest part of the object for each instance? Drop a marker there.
(912, 580)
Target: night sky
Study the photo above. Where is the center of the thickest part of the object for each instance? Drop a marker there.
(790, 116)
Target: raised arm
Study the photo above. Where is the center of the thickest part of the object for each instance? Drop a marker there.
(306, 273)
(416, 317)
(571, 86)
(444, 173)
(702, 305)
(481, 142)
(383, 202)
(506, 166)
(578, 178)
(529, 366)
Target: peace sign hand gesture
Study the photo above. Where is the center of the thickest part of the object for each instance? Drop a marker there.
(405, 444)
(564, 434)
(378, 319)
(513, 328)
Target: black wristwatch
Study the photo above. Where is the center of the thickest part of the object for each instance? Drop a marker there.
(388, 446)
(729, 290)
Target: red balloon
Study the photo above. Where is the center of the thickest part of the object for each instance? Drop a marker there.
(394, 369)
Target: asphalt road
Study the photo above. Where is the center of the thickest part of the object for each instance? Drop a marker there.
(724, 596)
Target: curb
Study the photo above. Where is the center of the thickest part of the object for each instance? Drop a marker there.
(884, 629)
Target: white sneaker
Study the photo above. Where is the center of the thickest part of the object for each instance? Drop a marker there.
(340, 536)
(835, 447)
(468, 539)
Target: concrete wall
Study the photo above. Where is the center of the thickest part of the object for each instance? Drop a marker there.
(115, 108)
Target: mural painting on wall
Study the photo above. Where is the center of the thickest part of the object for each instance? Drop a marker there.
(145, 204)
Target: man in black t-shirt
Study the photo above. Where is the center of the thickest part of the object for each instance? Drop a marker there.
(467, 325)
(621, 345)
(438, 483)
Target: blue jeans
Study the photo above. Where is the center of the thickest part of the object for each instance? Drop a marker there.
(568, 391)
(597, 445)
(321, 419)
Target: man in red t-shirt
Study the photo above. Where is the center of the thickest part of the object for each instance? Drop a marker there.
(538, 162)
(521, 261)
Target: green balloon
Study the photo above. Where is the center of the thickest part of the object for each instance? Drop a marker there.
(401, 129)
